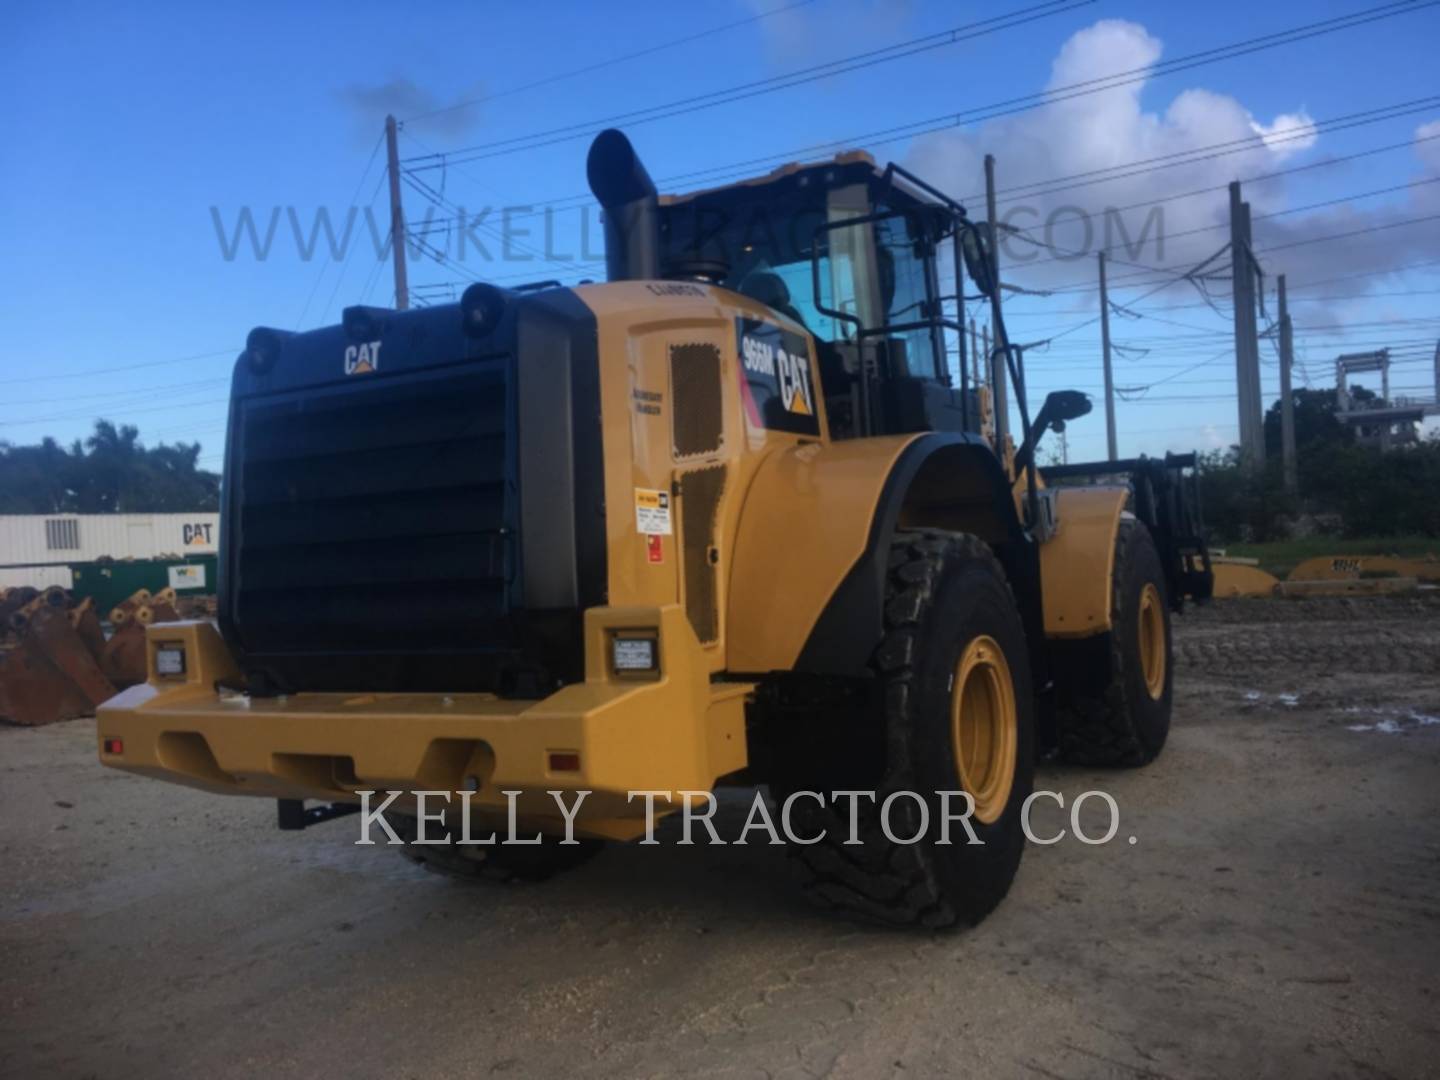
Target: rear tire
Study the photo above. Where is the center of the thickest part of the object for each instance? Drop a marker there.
(950, 619)
(1120, 716)
(499, 863)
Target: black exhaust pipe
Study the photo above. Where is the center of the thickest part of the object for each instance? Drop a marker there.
(632, 209)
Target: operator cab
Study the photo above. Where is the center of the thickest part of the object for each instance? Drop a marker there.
(867, 260)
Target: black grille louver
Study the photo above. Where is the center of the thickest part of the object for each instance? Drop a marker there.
(374, 518)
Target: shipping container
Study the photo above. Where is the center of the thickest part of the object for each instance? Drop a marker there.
(36, 549)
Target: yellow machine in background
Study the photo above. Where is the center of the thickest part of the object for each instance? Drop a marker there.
(731, 516)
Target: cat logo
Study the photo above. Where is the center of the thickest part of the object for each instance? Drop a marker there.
(362, 359)
(793, 373)
(776, 387)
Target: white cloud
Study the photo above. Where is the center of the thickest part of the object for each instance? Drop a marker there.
(1429, 152)
(1288, 134)
(1115, 127)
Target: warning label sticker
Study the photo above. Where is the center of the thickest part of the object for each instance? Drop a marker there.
(652, 512)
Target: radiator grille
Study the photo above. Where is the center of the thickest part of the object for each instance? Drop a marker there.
(372, 519)
(695, 396)
(700, 493)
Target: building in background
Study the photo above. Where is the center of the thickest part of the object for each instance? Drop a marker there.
(37, 549)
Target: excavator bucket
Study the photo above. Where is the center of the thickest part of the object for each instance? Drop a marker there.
(87, 625)
(33, 691)
(50, 628)
(58, 664)
(123, 657)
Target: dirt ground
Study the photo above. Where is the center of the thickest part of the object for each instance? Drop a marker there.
(1278, 913)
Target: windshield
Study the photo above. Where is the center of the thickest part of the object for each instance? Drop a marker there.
(763, 248)
(787, 245)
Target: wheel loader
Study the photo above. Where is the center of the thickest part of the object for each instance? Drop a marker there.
(738, 515)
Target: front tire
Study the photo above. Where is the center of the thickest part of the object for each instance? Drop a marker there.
(1119, 716)
(954, 677)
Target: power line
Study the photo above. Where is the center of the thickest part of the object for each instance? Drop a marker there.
(113, 395)
(1067, 289)
(340, 278)
(1334, 124)
(744, 91)
(359, 185)
(612, 62)
(1346, 235)
(1196, 156)
(994, 110)
(81, 414)
(1066, 255)
(1192, 307)
(122, 367)
(1225, 149)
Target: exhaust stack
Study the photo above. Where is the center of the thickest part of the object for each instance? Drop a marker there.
(632, 218)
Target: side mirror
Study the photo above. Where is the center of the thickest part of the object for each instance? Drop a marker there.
(1065, 405)
(1061, 406)
(976, 253)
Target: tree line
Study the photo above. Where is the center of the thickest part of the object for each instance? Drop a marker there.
(111, 471)
(1344, 487)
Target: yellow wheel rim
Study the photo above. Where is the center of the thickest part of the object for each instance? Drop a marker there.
(983, 726)
(1152, 641)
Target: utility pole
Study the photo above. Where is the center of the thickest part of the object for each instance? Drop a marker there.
(1247, 345)
(998, 371)
(397, 216)
(1109, 374)
(989, 363)
(1287, 405)
(976, 362)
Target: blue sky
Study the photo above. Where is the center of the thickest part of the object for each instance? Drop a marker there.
(132, 129)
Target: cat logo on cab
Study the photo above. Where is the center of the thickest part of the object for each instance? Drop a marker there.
(775, 384)
(362, 359)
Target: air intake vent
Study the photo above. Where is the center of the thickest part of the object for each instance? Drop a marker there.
(700, 493)
(695, 396)
(371, 536)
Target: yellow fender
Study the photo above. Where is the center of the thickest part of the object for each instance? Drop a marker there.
(1077, 564)
(805, 523)
(812, 549)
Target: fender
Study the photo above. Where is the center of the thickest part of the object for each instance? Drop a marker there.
(1077, 564)
(818, 608)
(804, 525)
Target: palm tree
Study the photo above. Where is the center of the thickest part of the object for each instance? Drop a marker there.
(115, 456)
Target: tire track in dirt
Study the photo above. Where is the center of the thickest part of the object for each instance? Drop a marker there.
(1380, 636)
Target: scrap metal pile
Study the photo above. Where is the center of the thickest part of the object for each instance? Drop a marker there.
(57, 661)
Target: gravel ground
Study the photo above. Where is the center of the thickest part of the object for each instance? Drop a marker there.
(1278, 912)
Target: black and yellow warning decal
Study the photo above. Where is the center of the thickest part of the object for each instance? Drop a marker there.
(775, 381)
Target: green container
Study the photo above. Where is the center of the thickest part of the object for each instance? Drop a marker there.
(111, 582)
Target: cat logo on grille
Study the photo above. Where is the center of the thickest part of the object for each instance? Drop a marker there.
(362, 359)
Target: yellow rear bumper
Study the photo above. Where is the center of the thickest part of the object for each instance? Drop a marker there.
(674, 732)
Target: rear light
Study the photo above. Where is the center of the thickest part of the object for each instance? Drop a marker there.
(564, 761)
(113, 746)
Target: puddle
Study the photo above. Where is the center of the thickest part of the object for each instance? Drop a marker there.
(1392, 721)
